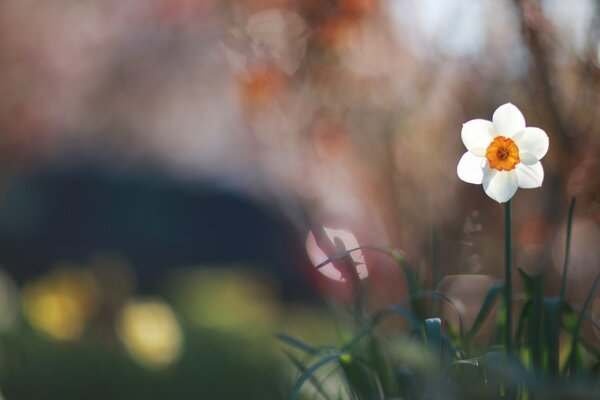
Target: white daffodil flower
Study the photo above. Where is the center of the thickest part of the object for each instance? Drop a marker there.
(503, 154)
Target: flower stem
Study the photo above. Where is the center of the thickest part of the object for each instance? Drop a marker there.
(563, 285)
(508, 278)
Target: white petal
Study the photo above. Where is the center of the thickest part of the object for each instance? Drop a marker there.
(517, 136)
(528, 158)
(508, 120)
(469, 168)
(530, 176)
(534, 141)
(477, 134)
(500, 185)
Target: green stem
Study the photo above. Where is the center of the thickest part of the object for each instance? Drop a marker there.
(508, 278)
(563, 285)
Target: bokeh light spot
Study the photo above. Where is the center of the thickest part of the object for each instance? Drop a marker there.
(150, 332)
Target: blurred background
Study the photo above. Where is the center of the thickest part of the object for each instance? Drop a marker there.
(171, 171)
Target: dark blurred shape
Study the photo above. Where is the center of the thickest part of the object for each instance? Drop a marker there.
(155, 223)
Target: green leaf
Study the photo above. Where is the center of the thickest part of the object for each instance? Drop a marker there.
(302, 368)
(486, 307)
(382, 368)
(590, 348)
(407, 382)
(469, 375)
(397, 309)
(411, 278)
(534, 328)
(359, 377)
(571, 363)
(433, 334)
(528, 281)
(309, 373)
(552, 308)
(341, 254)
(459, 313)
(522, 323)
(297, 344)
(493, 362)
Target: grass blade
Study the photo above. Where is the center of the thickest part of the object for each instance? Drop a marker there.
(302, 368)
(571, 363)
(493, 362)
(534, 331)
(410, 277)
(520, 337)
(433, 334)
(359, 377)
(297, 344)
(486, 307)
(412, 281)
(552, 308)
(309, 373)
(531, 316)
(382, 368)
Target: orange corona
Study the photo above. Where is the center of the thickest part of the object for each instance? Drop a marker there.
(502, 154)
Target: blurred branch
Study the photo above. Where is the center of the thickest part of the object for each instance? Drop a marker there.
(589, 76)
(531, 21)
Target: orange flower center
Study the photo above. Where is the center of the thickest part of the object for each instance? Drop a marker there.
(503, 154)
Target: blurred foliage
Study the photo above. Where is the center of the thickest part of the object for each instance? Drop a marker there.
(547, 356)
(214, 341)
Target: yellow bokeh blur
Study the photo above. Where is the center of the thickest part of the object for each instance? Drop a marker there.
(150, 332)
(240, 301)
(61, 303)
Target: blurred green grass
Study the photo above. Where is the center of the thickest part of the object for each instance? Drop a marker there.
(210, 336)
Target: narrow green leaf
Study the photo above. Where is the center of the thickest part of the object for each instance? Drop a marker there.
(407, 382)
(486, 307)
(297, 344)
(459, 313)
(410, 277)
(339, 255)
(382, 368)
(302, 368)
(528, 281)
(433, 334)
(571, 367)
(469, 375)
(525, 315)
(534, 329)
(359, 377)
(457, 363)
(309, 372)
(493, 362)
(398, 309)
(552, 308)
(595, 351)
